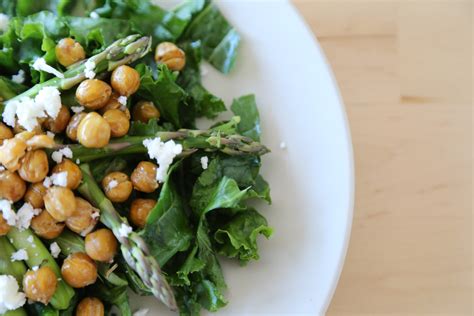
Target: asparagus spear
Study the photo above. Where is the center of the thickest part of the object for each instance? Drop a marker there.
(192, 140)
(38, 255)
(15, 268)
(134, 249)
(121, 52)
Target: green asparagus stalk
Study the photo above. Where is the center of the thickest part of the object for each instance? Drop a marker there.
(134, 249)
(121, 52)
(16, 269)
(38, 255)
(191, 140)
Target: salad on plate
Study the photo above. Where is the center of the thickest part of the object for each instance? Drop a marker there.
(107, 185)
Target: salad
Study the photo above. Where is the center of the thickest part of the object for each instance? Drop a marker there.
(106, 184)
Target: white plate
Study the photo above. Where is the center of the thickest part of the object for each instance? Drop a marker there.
(312, 180)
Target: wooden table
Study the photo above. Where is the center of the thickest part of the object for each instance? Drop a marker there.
(405, 72)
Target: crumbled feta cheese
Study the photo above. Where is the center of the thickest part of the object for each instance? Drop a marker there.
(124, 230)
(89, 68)
(4, 20)
(41, 65)
(77, 109)
(94, 15)
(30, 239)
(163, 153)
(24, 216)
(2, 168)
(58, 155)
(10, 296)
(19, 255)
(282, 145)
(19, 77)
(47, 182)
(49, 99)
(95, 215)
(28, 111)
(122, 100)
(78, 161)
(50, 134)
(112, 184)
(7, 212)
(204, 162)
(59, 179)
(54, 249)
(9, 113)
(141, 312)
(35, 268)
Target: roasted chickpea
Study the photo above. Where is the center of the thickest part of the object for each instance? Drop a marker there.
(5, 132)
(144, 177)
(58, 125)
(34, 166)
(45, 226)
(40, 285)
(93, 93)
(118, 121)
(40, 141)
(93, 131)
(35, 194)
(74, 174)
(69, 52)
(101, 245)
(139, 211)
(84, 218)
(143, 111)
(4, 227)
(79, 270)
(117, 186)
(90, 306)
(12, 187)
(11, 151)
(125, 80)
(71, 129)
(36, 130)
(60, 203)
(171, 55)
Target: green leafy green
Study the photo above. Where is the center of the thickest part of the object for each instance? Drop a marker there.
(10, 89)
(246, 108)
(116, 296)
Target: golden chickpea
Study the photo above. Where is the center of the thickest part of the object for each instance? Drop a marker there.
(74, 174)
(93, 131)
(71, 129)
(12, 187)
(40, 285)
(90, 306)
(143, 111)
(117, 186)
(84, 218)
(144, 177)
(58, 125)
(11, 151)
(40, 141)
(34, 166)
(4, 227)
(125, 80)
(5, 132)
(69, 52)
(79, 270)
(60, 203)
(93, 93)
(171, 55)
(35, 195)
(45, 226)
(139, 211)
(118, 121)
(101, 245)
(36, 130)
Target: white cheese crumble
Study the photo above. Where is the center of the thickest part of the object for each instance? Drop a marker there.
(7, 212)
(54, 249)
(78, 161)
(77, 109)
(2, 168)
(141, 312)
(35, 268)
(19, 77)
(10, 296)
(50, 134)
(89, 68)
(58, 155)
(41, 65)
(47, 182)
(163, 153)
(204, 162)
(122, 100)
(20, 255)
(24, 216)
(282, 145)
(94, 15)
(95, 215)
(59, 179)
(30, 239)
(124, 230)
(4, 20)
(112, 184)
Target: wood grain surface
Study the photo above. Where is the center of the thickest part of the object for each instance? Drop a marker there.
(405, 73)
